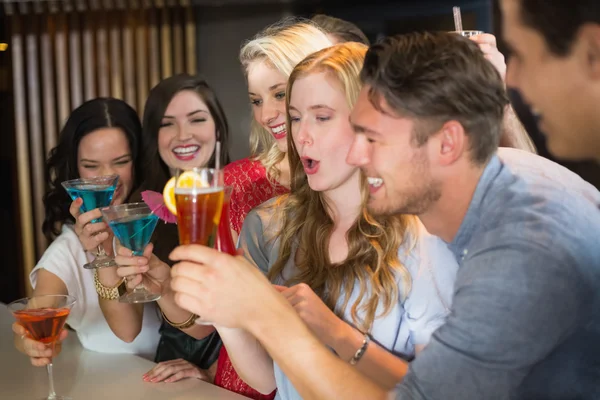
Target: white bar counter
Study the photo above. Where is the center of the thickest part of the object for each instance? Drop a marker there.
(86, 375)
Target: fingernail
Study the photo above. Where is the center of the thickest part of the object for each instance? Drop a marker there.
(140, 261)
(169, 380)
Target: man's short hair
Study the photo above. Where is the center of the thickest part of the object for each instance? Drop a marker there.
(434, 78)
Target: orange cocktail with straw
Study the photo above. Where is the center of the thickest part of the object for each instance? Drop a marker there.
(197, 197)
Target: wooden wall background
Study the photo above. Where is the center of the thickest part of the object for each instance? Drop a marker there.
(69, 51)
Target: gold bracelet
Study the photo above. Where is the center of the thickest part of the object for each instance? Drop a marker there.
(182, 325)
(109, 293)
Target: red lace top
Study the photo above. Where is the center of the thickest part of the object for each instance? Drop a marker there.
(251, 188)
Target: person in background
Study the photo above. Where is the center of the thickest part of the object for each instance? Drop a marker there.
(524, 321)
(589, 170)
(555, 64)
(339, 30)
(514, 133)
(182, 121)
(100, 137)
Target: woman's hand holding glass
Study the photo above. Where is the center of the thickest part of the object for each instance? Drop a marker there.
(487, 44)
(40, 353)
(147, 269)
(91, 235)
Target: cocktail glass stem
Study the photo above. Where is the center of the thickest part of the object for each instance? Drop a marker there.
(139, 288)
(101, 253)
(51, 392)
(102, 259)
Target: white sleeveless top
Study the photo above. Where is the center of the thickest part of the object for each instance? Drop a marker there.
(65, 258)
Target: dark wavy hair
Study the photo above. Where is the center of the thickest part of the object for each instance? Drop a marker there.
(158, 100)
(61, 165)
(559, 21)
(165, 237)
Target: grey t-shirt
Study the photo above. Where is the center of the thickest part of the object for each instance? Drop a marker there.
(525, 320)
(430, 263)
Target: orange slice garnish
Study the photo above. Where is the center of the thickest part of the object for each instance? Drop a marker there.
(187, 180)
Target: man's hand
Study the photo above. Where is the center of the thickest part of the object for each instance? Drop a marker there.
(224, 290)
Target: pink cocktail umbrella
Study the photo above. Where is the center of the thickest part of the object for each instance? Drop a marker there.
(156, 203)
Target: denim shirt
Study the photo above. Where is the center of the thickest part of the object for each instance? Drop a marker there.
(525, 319)
(410, 322)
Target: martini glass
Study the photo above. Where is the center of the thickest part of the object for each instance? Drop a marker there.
(95, 192)
(44, 317)
(133, 224)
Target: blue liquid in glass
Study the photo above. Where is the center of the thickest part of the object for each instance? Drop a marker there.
(134, 232)
(93, 196)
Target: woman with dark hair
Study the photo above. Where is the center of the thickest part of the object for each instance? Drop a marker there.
(101, 137)
(182, 121)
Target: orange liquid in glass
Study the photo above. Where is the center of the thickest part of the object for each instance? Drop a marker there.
(43, 324)
(198, 215)
(224, 241)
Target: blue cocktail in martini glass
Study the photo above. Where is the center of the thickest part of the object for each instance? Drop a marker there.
(96, 193)
(133, 224)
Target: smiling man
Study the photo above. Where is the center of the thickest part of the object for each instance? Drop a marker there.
(524, 322)
(555, 63)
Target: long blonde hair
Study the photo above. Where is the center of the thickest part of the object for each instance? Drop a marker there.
(282, 46)
(373, 242)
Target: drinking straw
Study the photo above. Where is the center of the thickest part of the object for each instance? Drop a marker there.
(218, 155)
(457, 19)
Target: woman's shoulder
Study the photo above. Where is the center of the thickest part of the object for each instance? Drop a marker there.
(64, 258)
(267, 217)
(244, 166)
(67, 240)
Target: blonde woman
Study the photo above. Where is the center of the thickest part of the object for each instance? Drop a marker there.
(267, 61)
(362, 284)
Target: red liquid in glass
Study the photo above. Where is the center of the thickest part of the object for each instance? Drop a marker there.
(43, 324)
(224, 242)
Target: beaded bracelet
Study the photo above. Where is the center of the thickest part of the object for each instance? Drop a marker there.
(361, 351)
(182, 325)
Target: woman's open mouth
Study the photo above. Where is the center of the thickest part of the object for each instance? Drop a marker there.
(310, 166)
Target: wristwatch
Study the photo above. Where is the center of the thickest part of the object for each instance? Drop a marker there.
(109, 293)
